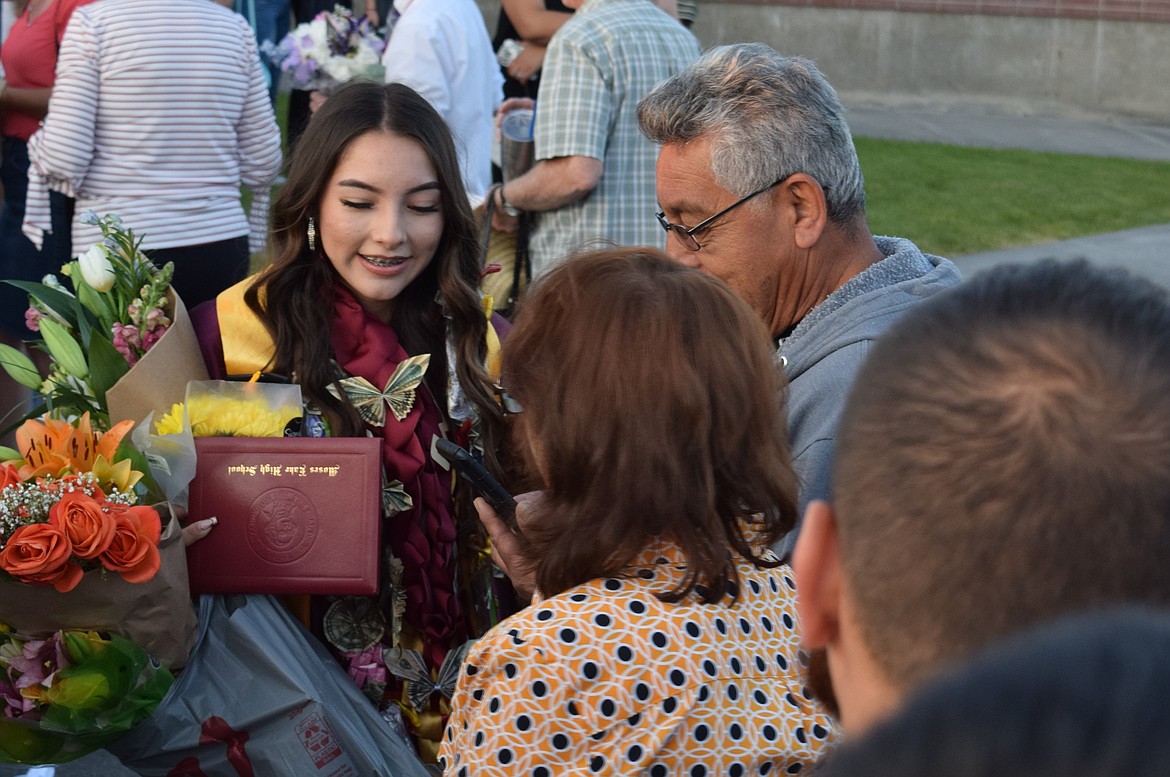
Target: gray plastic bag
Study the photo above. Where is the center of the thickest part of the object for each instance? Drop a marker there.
(260, 696)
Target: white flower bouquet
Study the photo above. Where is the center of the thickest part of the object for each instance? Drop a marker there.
(333, 48)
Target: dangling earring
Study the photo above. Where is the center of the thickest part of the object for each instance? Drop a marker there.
(312, 234)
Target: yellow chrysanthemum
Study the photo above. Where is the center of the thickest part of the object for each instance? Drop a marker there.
(172, 422)
(217, 416)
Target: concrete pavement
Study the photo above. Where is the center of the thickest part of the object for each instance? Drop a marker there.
(983, 126)
(1144, 251)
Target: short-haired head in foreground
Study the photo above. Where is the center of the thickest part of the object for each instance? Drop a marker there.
(652, 408)
(1081, 697)
(1003, 458)
(767, 115)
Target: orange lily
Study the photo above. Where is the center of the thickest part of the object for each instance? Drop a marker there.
(53, 448)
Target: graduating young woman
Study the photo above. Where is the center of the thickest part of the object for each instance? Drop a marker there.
(375, 277)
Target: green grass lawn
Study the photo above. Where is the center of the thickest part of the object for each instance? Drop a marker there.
(952, 200)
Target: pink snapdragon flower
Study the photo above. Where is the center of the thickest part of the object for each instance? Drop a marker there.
(128, 342)
(152, 336)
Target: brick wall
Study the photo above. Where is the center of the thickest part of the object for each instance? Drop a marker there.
(1110, 10)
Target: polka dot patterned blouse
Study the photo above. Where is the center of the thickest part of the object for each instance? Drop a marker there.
(606, 679)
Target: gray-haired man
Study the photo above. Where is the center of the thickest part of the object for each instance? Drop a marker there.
(760, 186)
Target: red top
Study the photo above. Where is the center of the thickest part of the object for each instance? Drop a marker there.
(29, 57)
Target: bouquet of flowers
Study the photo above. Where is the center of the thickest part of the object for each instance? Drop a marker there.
(333, 48)
(117, 310)
(80, 545)
(71, 693)
(213, 408)
(70, 506)
(92, 594)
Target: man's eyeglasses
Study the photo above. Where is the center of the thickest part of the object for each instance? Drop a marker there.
(687, 236)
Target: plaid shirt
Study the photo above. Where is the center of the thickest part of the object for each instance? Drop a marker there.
(598, 65)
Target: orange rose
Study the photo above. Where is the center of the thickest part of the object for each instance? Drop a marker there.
(9, 475)
(133, 552)
(80, 517)
(39, 553)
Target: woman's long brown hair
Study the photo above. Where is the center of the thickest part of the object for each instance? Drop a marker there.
(294, 296)
(653, 408)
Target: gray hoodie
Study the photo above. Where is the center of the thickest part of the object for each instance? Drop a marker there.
(825, 350)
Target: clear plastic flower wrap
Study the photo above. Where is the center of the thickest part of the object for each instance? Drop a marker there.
(213, 408)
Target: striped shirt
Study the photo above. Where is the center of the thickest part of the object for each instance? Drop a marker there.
(598, 65)
(160, 111)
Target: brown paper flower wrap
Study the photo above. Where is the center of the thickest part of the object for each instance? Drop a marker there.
(160, 378)
(156, 615)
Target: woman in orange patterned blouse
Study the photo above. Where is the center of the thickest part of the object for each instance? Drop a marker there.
(663, 639)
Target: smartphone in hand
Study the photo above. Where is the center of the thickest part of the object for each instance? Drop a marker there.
(480, 479)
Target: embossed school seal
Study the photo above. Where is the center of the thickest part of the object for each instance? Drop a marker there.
(282, 525)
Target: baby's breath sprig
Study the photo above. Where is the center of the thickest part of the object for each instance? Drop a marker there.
(30, 501)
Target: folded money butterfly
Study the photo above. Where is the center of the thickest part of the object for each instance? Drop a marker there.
(398, 394)
(409, 665)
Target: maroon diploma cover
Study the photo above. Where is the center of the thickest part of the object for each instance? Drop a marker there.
(297, 515)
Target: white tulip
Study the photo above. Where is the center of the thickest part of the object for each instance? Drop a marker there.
(96, 268)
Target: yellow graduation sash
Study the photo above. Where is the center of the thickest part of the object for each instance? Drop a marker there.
(248, 347)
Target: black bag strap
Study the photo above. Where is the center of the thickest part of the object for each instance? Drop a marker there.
(489, 210)
(522, 264)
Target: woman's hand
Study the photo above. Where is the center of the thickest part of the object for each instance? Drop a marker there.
(193, 532)
(506, 552)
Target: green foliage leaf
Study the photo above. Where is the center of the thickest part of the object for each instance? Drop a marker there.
(106, 366)
(64, 349)
(58, 301)
(36, 410)
(9, 454)
(147, 488)
(19, 367)
(68, 401)
(85, 331)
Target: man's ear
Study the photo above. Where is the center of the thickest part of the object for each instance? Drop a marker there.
(816, 563)
(810, 210)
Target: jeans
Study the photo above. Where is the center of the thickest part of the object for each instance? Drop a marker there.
(269, 20)
(19, 258)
